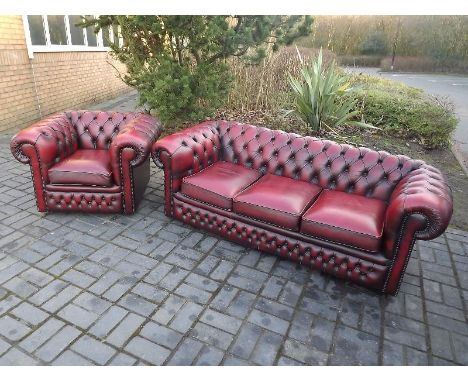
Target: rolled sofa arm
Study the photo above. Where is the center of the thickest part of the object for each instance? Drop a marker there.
(185, 153)
(136, 137)
(425, 192)
(42, 145)
(420, 207)
(190, 149)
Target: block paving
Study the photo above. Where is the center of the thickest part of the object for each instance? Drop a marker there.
(78, 289)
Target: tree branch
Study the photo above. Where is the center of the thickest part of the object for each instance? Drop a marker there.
(179, 50)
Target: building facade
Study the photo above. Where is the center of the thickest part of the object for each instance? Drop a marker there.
(47, 65)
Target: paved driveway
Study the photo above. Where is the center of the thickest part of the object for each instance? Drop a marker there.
(80, 289)
(454, 87)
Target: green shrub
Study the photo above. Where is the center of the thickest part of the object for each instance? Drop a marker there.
(319, 96)
(403, 111)
(178, 63)
(182, 93)
(375, 44)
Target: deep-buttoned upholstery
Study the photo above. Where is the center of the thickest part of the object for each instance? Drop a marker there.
(374, 205)
(89, 161)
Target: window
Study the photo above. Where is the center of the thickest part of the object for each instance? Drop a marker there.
(36, 28)
(76, 33)
(54, 33)
(92, 38)
(57, 32)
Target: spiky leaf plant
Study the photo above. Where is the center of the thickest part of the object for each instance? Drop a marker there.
(321, 96)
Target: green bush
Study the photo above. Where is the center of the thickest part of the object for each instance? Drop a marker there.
(320, 96)
(178, 63)
(375, 44)
(403, 111)
(182, 93)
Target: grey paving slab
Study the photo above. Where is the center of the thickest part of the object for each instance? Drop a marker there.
(80, 289)
(15, 357)
(186, 352)
(30, 314)
(69, 358)
(212, 335)
(125, 329)
(209, 356)
(161, 335)
(77, 316)
(13, 329)
(122, 359)
(147, 351)
(108, 321)
(93, 349)
(57, 343)
(41, 335)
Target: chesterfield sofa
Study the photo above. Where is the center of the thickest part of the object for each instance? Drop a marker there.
(88, 161)
(351, 212)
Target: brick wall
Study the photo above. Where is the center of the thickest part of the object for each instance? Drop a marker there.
(68, 80)
(17, 97)
(50, 82)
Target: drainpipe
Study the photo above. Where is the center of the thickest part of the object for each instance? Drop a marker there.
(31, 57)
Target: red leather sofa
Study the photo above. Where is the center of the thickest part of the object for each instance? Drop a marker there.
(88, 161)
(351, 212)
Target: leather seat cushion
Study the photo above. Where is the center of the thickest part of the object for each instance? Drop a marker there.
(84, 167)
(347, 219)
(277, 200)
(219, 183)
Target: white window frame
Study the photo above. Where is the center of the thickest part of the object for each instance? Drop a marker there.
(48, 47)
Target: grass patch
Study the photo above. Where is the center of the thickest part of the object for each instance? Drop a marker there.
(403, 111)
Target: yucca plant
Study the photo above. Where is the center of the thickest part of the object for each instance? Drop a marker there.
(322, 96)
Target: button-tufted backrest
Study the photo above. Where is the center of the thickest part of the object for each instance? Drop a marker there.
(328, 164)
(97, 128)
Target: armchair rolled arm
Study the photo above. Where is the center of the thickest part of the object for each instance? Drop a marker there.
(425, 194)
(188, 151)
(136, 137)
(41, 145)
(130, 148)
(51, 138)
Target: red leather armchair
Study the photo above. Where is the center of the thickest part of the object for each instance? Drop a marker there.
(88, 161)
(351, 212)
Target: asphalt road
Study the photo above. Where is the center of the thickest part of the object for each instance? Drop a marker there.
(452, 86)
